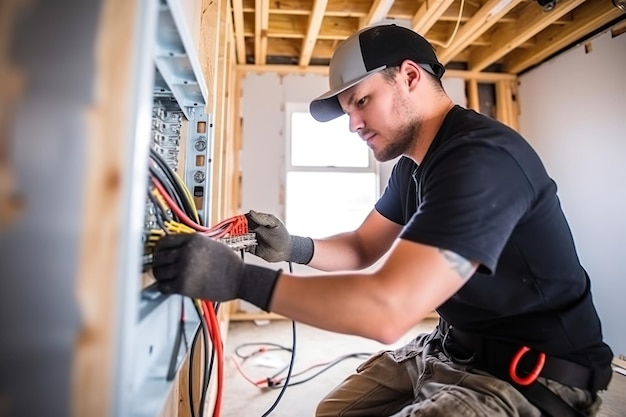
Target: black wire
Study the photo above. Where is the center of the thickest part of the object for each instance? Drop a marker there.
(171, 370)
(185, 205)
(190, 376)
(321, 371)
(293, 356)
(162, 215)
(168, 188)
(208, 370)
(204, 329)
(243, 345)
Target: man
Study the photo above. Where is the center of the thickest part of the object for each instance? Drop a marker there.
(473, 228)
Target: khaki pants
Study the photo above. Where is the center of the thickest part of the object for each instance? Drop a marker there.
(419, 380)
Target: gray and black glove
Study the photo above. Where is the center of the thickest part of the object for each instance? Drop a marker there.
(199, 267)
(275, 244)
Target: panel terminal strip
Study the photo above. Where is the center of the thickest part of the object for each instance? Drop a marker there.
(198, 162)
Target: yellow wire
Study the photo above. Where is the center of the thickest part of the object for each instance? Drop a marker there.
(176, 227)
(161, 200)
(188, 196)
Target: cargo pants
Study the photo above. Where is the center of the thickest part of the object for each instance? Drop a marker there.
(418, 379)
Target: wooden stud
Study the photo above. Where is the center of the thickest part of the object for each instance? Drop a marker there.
(239, 30)
(473, 100)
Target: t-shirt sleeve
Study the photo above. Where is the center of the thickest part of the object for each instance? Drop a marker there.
(472, 198)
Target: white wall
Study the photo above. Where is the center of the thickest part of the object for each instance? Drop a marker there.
(572, 112)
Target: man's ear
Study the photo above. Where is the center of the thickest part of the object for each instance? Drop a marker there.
(410, 73)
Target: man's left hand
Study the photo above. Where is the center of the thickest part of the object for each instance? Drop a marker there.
(199, 267)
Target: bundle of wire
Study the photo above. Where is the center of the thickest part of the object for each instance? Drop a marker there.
(176, 213)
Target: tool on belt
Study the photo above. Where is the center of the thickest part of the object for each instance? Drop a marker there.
(521, 366)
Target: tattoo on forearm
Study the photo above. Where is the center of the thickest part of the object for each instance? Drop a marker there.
(462, 266)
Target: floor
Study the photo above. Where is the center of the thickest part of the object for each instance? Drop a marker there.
(314, 347)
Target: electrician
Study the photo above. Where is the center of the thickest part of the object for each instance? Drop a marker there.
(473, 229)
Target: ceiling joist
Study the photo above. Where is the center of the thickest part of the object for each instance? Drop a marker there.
(512, 35)
(485, 18)
(504, 35)
(590, 16)
(315, 22)
(428, 14)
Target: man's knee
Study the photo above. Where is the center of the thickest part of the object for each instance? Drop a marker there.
(326, 408)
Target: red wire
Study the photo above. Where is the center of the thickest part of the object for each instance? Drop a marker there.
(246, 377)
(235, 226)
(177, 209)
(217, 345)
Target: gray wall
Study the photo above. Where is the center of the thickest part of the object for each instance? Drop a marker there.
(572, 112)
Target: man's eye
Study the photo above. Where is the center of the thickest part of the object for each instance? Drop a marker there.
(361, 102)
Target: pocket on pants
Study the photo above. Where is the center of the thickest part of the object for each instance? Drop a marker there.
(371, 361)
(412, 349)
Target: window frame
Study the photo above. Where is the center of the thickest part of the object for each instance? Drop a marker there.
(372, 166)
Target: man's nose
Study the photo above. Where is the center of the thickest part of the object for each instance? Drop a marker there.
(356, 123)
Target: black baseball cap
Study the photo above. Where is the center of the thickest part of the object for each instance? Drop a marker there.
(367, 52)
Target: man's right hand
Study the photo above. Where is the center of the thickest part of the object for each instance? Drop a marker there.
(274, 243)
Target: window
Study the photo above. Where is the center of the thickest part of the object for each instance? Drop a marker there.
(332, 181)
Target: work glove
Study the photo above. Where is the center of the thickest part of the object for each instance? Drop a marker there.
(200, 267)
(275, 244)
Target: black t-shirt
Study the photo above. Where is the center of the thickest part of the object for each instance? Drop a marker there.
(482, 192)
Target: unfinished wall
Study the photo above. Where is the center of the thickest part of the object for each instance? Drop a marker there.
(572, 111)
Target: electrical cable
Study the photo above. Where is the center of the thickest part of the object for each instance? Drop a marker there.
(237, 225)
(293, 356)
(167, 187)
(454, 32)
(219, 346)
(188, 197)
(180, 331)
(176, 184)
(328, 365)
(204, 330)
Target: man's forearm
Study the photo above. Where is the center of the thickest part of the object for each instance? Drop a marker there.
(342, 252)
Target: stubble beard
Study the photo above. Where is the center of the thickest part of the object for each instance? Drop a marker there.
(404, 139)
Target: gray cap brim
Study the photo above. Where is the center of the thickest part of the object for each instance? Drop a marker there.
(326, 107)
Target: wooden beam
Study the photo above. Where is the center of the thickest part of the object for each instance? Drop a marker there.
(376, 13)
(315, 22)
(488, 77)
(209, 48)
(589, 17)
(238, 26)
(260, 31)
(473, 98)
(284, 69)
(509, 36)
(486, 17)
(428, 14)
(502, 102)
